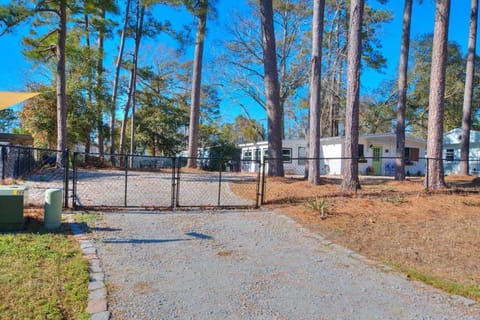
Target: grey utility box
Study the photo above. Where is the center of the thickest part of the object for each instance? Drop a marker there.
(11, 207)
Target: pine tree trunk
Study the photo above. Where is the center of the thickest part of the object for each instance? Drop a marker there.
(467, 98)
(435, 175)
(99, 87)
(272, 92)
(402, 91)
(138, 38)
(315, 93)
(61, 84)
(118, 64)
(89, 101)
(126, 110)
(194, 126)
(350, 180)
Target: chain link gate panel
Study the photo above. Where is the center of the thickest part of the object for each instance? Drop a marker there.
(123, 181)
(218, 183)
(162, 182)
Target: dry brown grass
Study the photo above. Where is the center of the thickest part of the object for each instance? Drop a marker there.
(436, 234)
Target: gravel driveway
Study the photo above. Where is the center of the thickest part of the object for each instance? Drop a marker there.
(250, 265)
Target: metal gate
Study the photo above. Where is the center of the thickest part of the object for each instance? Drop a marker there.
(131, 181)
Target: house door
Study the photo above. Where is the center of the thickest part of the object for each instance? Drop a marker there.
(377, 161)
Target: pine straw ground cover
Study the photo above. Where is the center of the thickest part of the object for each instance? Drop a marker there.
(432, 237)
(43, 275)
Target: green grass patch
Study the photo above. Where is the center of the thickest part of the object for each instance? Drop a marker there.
(452, 287)
(43, 275)
(86, 217)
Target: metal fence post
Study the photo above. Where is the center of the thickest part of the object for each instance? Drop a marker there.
(74, 182)
(219, 180)
(427, 174)
(126, 180)
(262, 197)
(4, 160)
(258, 193)
(17, 166)
(174, 166)
(177, 193)
(66, 159)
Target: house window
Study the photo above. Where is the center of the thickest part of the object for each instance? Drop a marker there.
(449, 154)
(247, 155)
(302, 155)
(257, 154)
(265, 154)
(287, 155)
(361, 154)
(411, 154)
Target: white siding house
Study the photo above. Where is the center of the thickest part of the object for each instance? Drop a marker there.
(376, 152)
(451, 151)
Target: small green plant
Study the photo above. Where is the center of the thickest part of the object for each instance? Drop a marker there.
(396, 199)
(319, 205)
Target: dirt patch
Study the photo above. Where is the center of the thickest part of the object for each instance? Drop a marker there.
(393, 222)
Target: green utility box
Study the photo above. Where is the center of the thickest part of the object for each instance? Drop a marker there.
(11, 207)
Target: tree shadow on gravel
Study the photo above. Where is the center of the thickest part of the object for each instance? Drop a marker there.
(142, 241)
(193, 234)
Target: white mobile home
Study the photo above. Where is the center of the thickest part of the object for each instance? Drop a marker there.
(451, 151)
(376, 152)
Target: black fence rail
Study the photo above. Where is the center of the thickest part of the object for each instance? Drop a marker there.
(37, 169)
(373, 166)
(374, 170)
(132, 181)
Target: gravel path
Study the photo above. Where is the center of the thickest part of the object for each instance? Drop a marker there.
(250, 265)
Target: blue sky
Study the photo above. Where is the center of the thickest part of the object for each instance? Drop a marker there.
(15, 69)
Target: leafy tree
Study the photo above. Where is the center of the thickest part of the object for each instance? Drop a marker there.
(7, 116)
(159, 126)
(38, 117)
(45, 43)
(90, 26)
(417, 99)
(221, 155)
(377, 109)
(243, 130)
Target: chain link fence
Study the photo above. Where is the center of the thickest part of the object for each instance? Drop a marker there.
(37, 169)
(133, 181)
(375, 170)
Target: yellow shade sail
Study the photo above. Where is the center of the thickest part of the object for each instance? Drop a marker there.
(10, 98)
